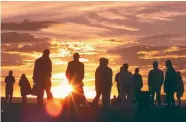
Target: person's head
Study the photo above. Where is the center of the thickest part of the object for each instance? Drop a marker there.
(10, 73)
(125, 66)
(114, 96)
(76, 56)
(155, 64)
(46, 53)
(23, 75)
(103, 61)
(121, 68)
(168, 64)
(137, 70)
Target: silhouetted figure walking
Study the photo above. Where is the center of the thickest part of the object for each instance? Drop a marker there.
(179, 88)
(126, 85)
(9, 80)
(138, 84)
(170, 83)
(103, 83)
(75, 76)
(155, 81)
(42, 76)
(25, 88)
(117, 81)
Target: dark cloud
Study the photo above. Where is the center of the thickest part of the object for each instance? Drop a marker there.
(132, 56)
(166, 39)
(14, 37)
(11, 59)
(39, 47)
(27, 25)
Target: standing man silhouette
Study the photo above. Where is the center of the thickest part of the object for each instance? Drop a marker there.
(170, 83)
(155, 81)
(117, 81)
(75, 76)
(42, 76)
(103, 83)
(179, 87)
(9, 80)
(126, 85)
(138, 83)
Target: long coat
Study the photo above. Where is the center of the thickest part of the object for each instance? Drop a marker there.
(170, 80)
(25, 87)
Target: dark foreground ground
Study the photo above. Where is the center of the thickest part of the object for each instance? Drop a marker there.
(33, 113)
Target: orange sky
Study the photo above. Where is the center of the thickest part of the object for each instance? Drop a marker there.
(124, 32)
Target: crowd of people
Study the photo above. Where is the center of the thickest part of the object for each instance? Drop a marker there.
(128, 85)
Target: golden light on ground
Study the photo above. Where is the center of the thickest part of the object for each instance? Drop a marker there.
(53, 108)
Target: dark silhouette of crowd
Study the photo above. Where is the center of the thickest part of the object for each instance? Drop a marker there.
(128, 85)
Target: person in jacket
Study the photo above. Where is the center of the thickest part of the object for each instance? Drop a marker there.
(25, 88)
(75, 76)
(117, 81)
(155, 81)
(126, 85)
(42, 76)
(103, 83)
(138, 83)
(179, 88)
(9, 80)
(170, 83)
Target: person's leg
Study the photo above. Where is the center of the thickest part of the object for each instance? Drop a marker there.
(168, 99)
(24, 99)
(40, 94)
(7, 95)
(11, 94)
(106, 97)
(178, 98)
(158, 97)
(152, 96)
(172, 99)
(49, 93)
(96, 99)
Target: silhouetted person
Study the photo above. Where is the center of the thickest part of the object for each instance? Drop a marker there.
(138, 83)
(42, 76)
(117, 81)
(170, 83)
(9, 80)
(75, 76)
(155, 81)
(179, 88)
(103, 83)
(25, 88)
(114, 100)
(126, 85)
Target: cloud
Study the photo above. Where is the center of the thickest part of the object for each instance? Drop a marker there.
(14, 37)
(165, 39)
(11, 59)
(27, 25)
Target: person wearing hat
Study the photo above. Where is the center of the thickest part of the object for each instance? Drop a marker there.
(42, 76)
(75, 76)
(9, 80)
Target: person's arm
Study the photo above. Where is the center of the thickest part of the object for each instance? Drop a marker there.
(110, 76)
(13, 80)
(5, 79)
(34, 72)
(82, 72)
(141, 81)
(117, 77)
(67, 72)
(149, 79)
(50, 68)
(20, 82)
(96, 79)
(162, 77)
